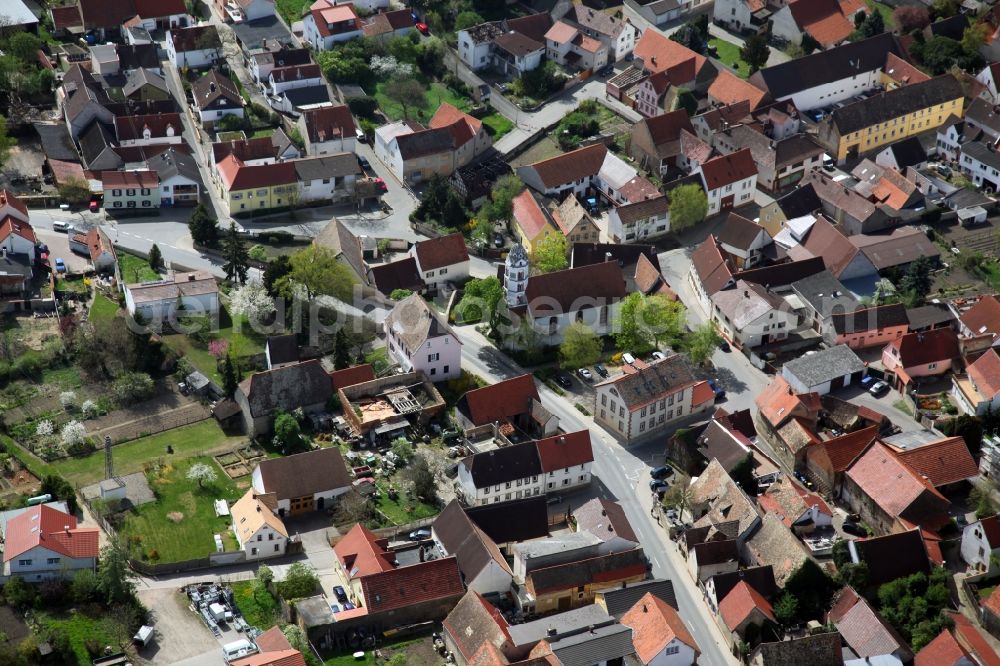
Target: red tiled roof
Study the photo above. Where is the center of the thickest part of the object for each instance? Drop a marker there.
(290, 657)
(11, 225)
(969, 637)
(942, 651)
(272, 640)
(8, 199)
(701, 393)
(711, 265)
(98, 243)
(778, 402)
(561, 32)
(942, 462)
(52, 529)
(362, 553)
(985, 372)
(572, 166)
(825, 240)
(992, 602)
(159, 8)
(530, 216)
(500, 401)
(658, 52)
(295, 72)
(844, 602)
(727, 169)
(351, 376)
(440, 252)
(892, 486)
(937, 345)
(565, 451)
(326, 12)
(64, 18)
(130, 179)
(418, 583)
(328, 122)
(740, 602)
(601, 282)
(823, 19)
(991, 527)
(984, 316)
(727, 88)
(238, 176)
(655, 624)
(838, 453)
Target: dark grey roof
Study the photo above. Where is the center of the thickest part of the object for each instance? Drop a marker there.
(983, 114)
(870, 319)
(653, 382)
(815, 369)
(584, 572)
(402, 274)
(739, 232)
(716, 442)
(928, 316)
(281, 142)
(982, 153)
(600, 646)
(172, 163)
(562, 624)
(780, 275)
(287, 388)
(895, 103)
(759, 578)
(505, 464)
(800, 201)
(908, 152)
(327, 166)
(307, 95)
(825, 293)
(815, 650)
(137, 78)
(966, 198)
(952, 27)
(283, 349)
(306, 473)
(494, 519)
(252, 34)
(458, 536)
(56, 142)
(95, 144)
(138, 56)
(828, 66)
(625, 254)
(620, 600)
(425, 142)
(15, 264)
(892, 556)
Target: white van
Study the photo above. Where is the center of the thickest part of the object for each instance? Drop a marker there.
(238, 650)
(59, 225)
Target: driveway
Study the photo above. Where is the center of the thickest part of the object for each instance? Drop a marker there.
(180, 634)
(58, 243)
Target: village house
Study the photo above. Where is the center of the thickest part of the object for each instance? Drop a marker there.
(256, 187)
(822, 649)
(180, 181)
(897, 249)
(640, 221)
(786, 420)
(659, 635)
(648, 398)
(978, 391)
(573, 583)
(327, 23)
(550, 465)
(781, 161)
(215, 97)
(259, 531)
(607, 521)
(43, 542)
(484, 567)
(776, 545)
(920, 355)
(328, 129)
(421, 340)
(386, 25)
(864, 631)
(827, 460)
(261, 63)
(302, 385)
(729, 180)
(441, 261)
(654, 52)
(828, 22)
(825, 371)
(743, 607)
(158, 302)
(309, 481)
(760, 579)
(274, 648)
(568, 46)
(720, 510)
(655, 142)
(195, 47)
(615, 32)
(384, 409)
(531, 220)
(981, 543)
(750, 315)
(513, 401)
(143, 84)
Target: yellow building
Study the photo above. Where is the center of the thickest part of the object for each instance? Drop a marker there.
(890, 116)
(247, 188)
(531, 221)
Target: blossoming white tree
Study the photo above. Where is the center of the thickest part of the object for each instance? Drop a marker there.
(68, 399)
(44, 428)
(73, 433)
(252, 301)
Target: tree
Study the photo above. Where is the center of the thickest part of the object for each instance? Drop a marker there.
(60, 489)
(467, 19)
(418, 473)
(911, 18)
(631, 335)
(500, 207)
(787, 608)
(939, 53)
(913, 605)
(872, 25)
(981, 498)
(251, 301)
(480, 299)
(341, 350)
(944, 8)
(402, 449)
(297, 639)
(115, 578)
(72, 190)
(155, 258)
(663, 318)
(73, 434)
(317, 270)
(287, 433)
(580, 347)
(809, 44)
(755, 52)
(702, 342)
(24, 46)
(453, 215)
(974, 37)
(400, 294)
(408, 93)
(917, 279)
(132, 387)
(678, 496)
(202, 473)
(812, 588)
(83, 586)
(686, 100)
(264, 577)
(230, 376)
(300, 581)
(550, 253)
(688, 206)
(276, 269)
(202, 227)
(237, 259)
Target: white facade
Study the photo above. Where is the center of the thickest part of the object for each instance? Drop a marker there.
(440, 358)
(985, 175)
(992, 92)
(438, 277)
(170, 134)
(194, 59)
(775, 324)
(40, 563)
(828, 94)
(949, 142)
(320, 498)
(823, 388)
(741, 191)
(320, 42)
(16, 244)
(547, 482)
(335, 188)
(264, 543)
(976, 549)
(614, 415)
(600, 320)
(475, 56)
(734, 13)
(674, 653)
(178, 189)
(277, 87)
(166, 308)
(492, 579)
(649, 227)
(132, 198)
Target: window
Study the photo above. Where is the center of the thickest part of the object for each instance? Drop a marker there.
(534, 478)
(253, 551)
(147, 203)
(519, 483)
(131, 204)
(508, 485)
(130, 192)
(604, 400)
(260, 537)
(116, 193)
(277, 548)
(445, 370)
(642, 427)
(443, 271)
(118, 204)
(621, 412)
(262, 193)
(434, 371)
(145, 191)
(53, 560)
(433, 357)
(643, 414)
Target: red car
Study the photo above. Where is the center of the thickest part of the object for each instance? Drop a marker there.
(94, 205)
(422, 27)
(380, 185)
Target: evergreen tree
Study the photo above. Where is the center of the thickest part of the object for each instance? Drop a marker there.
(237, 257)
(230, 377)
(202, 227)
(341, 351)
(155, 258)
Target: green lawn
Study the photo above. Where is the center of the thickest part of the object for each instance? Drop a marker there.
(261, 611)
(989, 271)
(291, 10)
(81, 629)
(265, 133)
(436, 94)
(195, 439)
(245, 341)
(180, 524)
(729, 53)
(379, 359)
(72, 285)
(103, 309)
(499, 124)
(135, 269)
(66, 377)
(396, 510)
(886, 12)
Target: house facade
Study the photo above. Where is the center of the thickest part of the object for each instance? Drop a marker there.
(328, 129)
(730, 181)
(981, 544)
(195, 47)
(42, 542)
(441, 260)
(302, 482)
(420, 340)
(194, 293)
(130, 190)
(259, 532)
(328, 23)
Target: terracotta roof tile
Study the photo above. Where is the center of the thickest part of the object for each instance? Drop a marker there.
(50, 528)
(837, 454)
(11, 225)
(561, 32)
(991, 603)
(778, 402)
(984, 316)
(868, 634)
(655, 624)
(740, 603)
(328, 122)
(596, 281)
(892, 485)
(530, 216)
(942, 651)
(991, 527)
(572, 166)
(362, 553)
(969, 637)
(565, 451)
(712, 267)
(238, 176)
(727, 88)
(351, 376)
(418, 583)
(985, 372)
(942, 462)
(727, 169)
(658, 52)
(823, 19)
(499, 401)
(605, 519)
(440, 252)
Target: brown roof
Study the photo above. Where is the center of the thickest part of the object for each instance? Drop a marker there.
(775, 544)
(665, 129)
(64, 18)
(572, 166)
(499, 401)
(655, 625)
(133, 127)
(212, 87)
(440, 252)
(195, 38)
(939, 344)
(604, 519)
(415, 584)
(98, 243)
(739, 232)
(474, 622)
(822, 19)
(837, 454)
(902, 246)
(740, 603)
(401, 274)
(652, 382)
(565, 451)
(461, 537)
(942, 462)
(727, 169)
(534, 25)
(328, 122)
(130, 179)
(985, 372)
(567, 287)
(816, 650)
(304, 473)
(517, 44)
(727, 88)
(825, 240)
(351, 376)
(287, 387)
(894, 487)
(944, 650)
(984, 316)
(711, 265)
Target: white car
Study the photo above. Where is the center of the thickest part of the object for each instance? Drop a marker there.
(658, 355)
(585, 374)
(628, 358)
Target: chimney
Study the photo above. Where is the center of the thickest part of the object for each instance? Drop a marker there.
(551, 631)
(607, 256)
(211, 86)
(562, 439)
(421, 553)
(66, 527)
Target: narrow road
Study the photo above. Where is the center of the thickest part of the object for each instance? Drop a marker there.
(624, 473)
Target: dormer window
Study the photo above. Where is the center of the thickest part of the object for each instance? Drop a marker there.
(170, 130)
(146, 133)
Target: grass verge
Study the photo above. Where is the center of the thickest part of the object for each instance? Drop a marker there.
(729, 53)
(103, 309)
(260, 610)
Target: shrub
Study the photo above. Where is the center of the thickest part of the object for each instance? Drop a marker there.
(44, 428)
(132, 387)
(73, 434)
(67, 399)
(258, 253)
(300, 581)
(89, 409)
(364, 107)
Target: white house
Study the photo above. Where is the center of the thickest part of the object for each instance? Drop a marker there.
(246, 10)
(309, 481)
(131, 190)
(195, 47)
(327, 178)
(730, 181)
(735, 14)
(260, 533)
(484, 568)
(649, 398)
(180, 182)
(744, 240)
(17, 237)
(215, 97)
(442, 260)
(551, 465)
(980, 542)
(981, 163)
(42, 542)
(750, 315)
(475, 44)
(659, 634)
(328, 129)
(328, 23)
(261, 64)
(294, 76)
(979, 391)
(11, 206)
(640, 221)
(515, 53)
(196, 292)
(149, 129)
(949, 140)
(421, 340)
(990, 77)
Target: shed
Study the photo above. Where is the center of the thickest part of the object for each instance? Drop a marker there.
(968, 217)
(823, 371)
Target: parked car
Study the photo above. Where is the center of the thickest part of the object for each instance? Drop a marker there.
(867, 381)
(585, 374)
(855, 529)
(600, 369)
(334, 608)
(720, 393)
(59, 225)
(628, 358)
(661, 472)
(341, 595)
(879, 388)
(563, 380)
(658, 355)
(60, 266)
(420, 535)
(656, 485)
(380, 185)
(724, 346)
(94, 205)
(363, 161)
(422, 28)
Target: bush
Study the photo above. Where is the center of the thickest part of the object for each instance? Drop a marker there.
(363, 107)
(132, 387)
(300, 581)
(258, 253)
